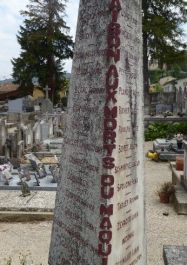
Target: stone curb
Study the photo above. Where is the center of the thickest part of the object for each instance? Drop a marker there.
(21, 216)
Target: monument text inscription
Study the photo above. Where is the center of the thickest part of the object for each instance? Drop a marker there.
(99, 215)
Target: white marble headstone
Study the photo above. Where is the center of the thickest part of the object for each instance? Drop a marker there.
(16, 105)
(99, 215)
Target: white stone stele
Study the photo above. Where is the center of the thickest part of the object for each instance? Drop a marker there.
(16, 105)
(77, 228)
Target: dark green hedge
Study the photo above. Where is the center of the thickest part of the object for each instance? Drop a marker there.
(164, 130)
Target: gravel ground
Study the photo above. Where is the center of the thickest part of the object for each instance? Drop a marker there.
(161, 230)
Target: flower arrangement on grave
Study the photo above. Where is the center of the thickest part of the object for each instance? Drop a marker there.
(5, 167)
(166, 190)
(179, 138)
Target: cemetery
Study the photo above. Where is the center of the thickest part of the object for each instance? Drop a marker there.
(30, 148)
(101, 181)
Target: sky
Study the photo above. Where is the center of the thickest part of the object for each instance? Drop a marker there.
(10, 21)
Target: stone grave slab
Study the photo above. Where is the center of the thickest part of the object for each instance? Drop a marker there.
(163, 143)
(167, 149)
(47, 183)
(99, 213)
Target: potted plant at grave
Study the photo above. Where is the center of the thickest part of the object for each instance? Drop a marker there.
(165, 191)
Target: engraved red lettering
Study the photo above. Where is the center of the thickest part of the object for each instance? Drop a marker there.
(110, 124)
(115, 4)
(107, 180)
(114, 54)
(106, 224)
(110, 113)
(104, 261)
(105, 236)
(105, 252)
(109, 148)
(106, 209)
(109, 136)
(107, 193)
(113, 41)
(112, 78)
(108, 162)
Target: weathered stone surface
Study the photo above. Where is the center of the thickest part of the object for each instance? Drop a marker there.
(175, 255)
(42, 201)
(180, 196)
(185, 164)
(99, 216)
(180, 200)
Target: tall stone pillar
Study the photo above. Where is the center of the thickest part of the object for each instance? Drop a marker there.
(99, 214)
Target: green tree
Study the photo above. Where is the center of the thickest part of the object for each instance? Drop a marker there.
(162, 32)
(45, 43)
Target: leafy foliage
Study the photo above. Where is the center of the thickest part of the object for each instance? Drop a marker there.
(45, 43)
(162, 24)
(155, 75)
(164, 130)
(175, 71)
(162, 35)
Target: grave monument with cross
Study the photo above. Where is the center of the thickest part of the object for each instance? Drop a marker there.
(47, 89)
(99, 213)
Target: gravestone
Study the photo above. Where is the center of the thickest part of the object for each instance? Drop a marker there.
(3, 135)
(99, 214)
(37, 108)
(46, 106)
(29, 135)
(44, 130)
(37, 133)
(16, 105)
(20, 149)
(51, 129)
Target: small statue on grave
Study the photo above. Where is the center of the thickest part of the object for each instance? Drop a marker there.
(21, 175)
(25, 189)
(55, 173)
(37, 183)
(7, 176)
(26, 174)
(41, 172)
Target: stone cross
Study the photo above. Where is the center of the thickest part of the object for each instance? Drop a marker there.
(99, 213)
(47, 89)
